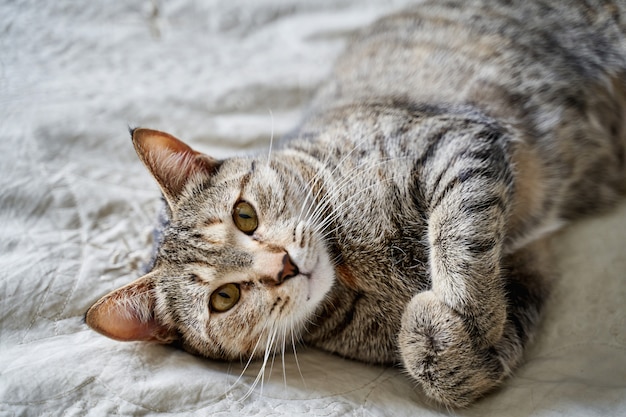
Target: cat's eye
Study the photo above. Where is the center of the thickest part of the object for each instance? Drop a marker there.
(245, 217)
(224, 298)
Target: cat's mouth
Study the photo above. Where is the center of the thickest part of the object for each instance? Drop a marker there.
(309, 289)
(317, 287)
(317, 274)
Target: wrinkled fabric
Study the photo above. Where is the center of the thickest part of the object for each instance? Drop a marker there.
(77, 211)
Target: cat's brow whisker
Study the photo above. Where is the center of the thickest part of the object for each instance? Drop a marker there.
(316, 197)
(352, 175)
(332, 172)
(326, 202)
(269, 153)
(336, 209)
(309, 198)
(346, 182)
(309, 185)
(347, 177)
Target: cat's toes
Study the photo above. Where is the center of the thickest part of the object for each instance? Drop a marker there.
(439, 353)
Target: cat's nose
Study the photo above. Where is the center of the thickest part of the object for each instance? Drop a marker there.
(289, 270)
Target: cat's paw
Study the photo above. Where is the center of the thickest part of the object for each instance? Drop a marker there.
(439, 352)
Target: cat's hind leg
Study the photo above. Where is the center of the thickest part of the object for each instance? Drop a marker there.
(451, 363)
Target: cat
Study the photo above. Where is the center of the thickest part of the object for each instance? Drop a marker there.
(401, 221)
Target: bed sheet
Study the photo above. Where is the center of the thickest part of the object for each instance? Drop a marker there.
(77, 210)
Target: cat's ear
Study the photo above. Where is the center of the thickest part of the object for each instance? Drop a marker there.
(172, 162)
(127, 314)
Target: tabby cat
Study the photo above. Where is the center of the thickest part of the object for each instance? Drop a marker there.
(399, 223)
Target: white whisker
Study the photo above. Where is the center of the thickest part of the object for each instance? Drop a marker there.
(269, 153)
(250, 361)
(295, 355)
(343, 184)
(282, 354)
(332, 172)
(273, 350)
(336, 209)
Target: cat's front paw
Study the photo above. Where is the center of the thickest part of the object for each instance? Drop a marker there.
(439, 352)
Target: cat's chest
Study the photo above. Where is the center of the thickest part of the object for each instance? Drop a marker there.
(362, 313)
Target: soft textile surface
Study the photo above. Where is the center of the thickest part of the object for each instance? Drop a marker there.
(77, 210)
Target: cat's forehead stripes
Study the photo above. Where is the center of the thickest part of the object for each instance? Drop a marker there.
(212, 221)
(182, 248)
(212, 277)
(245, 179)
(266, 188)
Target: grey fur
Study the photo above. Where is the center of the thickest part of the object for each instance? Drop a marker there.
(450, 138)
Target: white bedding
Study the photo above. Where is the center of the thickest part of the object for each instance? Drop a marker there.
(77, 209)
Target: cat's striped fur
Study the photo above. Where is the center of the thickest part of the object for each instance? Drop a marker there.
(409, 203)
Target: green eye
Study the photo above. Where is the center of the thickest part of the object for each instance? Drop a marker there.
(225, 298)
(245, 217)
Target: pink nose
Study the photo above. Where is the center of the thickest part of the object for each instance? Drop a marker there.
(289, 270)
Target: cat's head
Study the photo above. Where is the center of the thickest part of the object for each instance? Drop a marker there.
(241, 261)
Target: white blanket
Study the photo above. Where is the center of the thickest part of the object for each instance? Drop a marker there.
(77, 209)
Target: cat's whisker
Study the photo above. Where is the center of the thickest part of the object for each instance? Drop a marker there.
(346, 179)
(274, 336)
(327, 200)
(332, 172)
(295, 355)
(274, 350)
(347, 176)
(336, 209)
(309, 185)
(283, 355)
(250, 359)
(269, 350)
(269, 153)
(261, 374)
(309, 199)
(344, 183)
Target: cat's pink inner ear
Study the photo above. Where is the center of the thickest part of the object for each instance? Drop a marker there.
(127, 314)
(172, 162)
